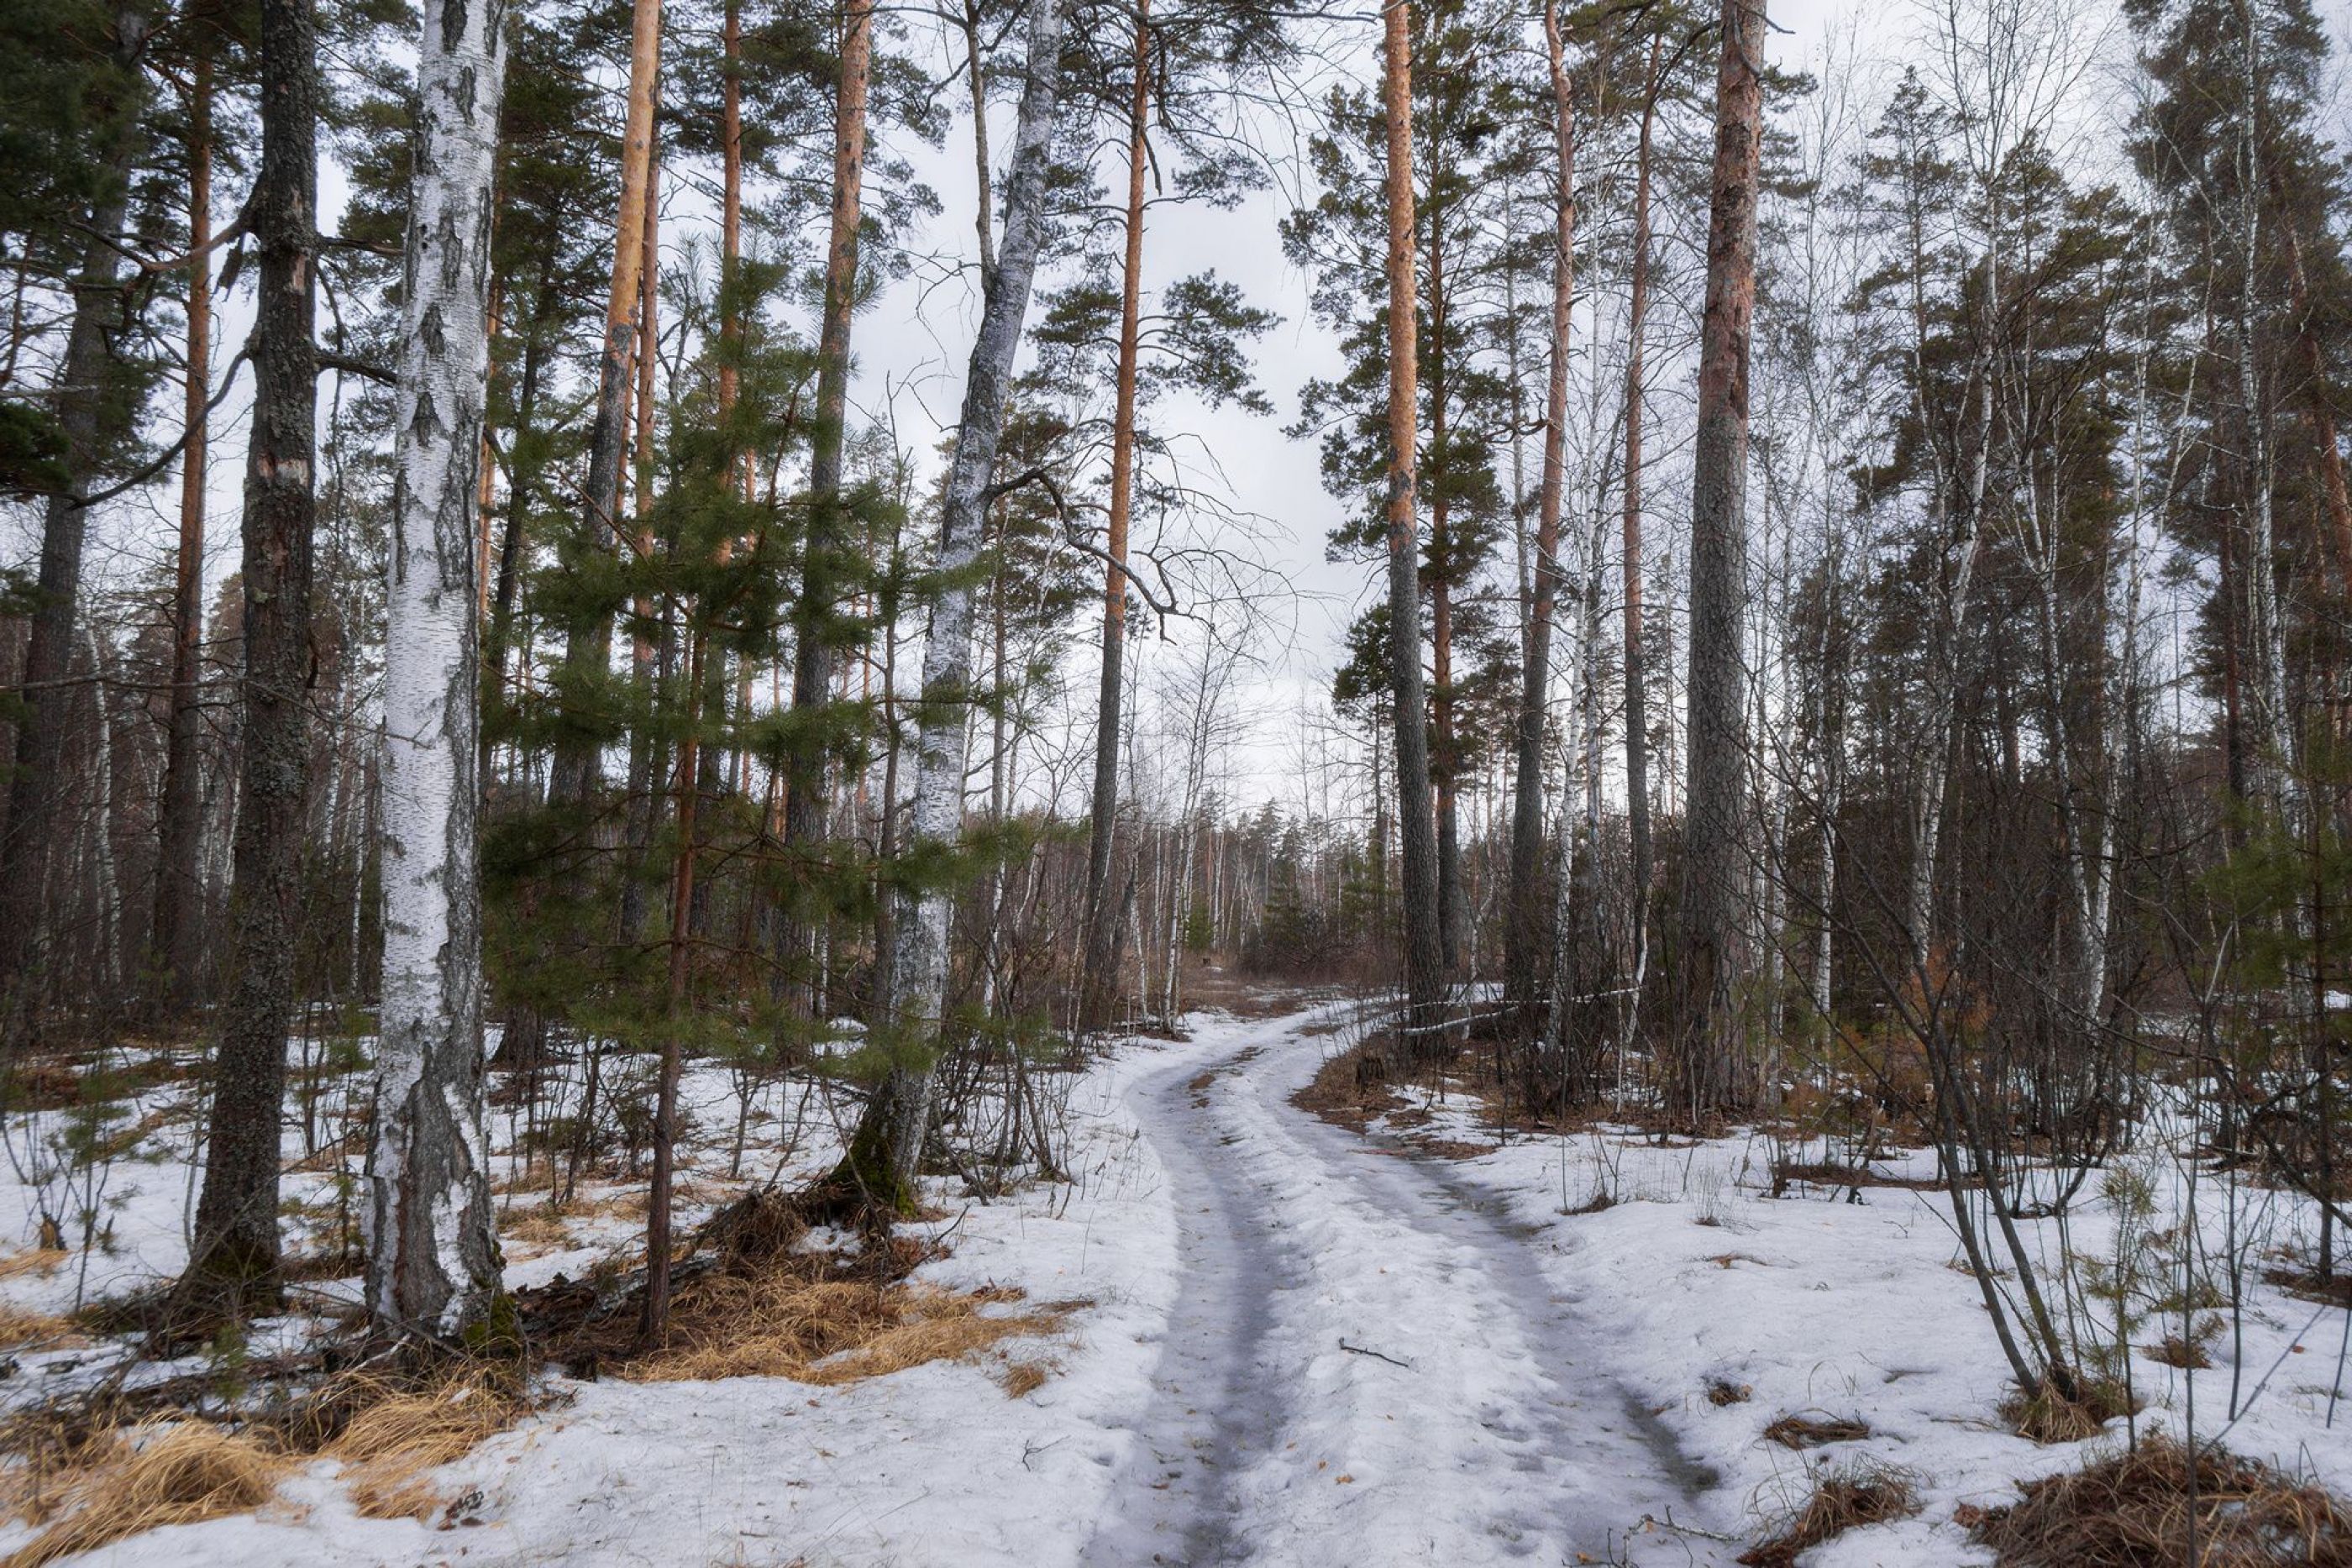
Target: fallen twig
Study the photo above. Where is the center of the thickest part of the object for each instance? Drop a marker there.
(1376, 1355)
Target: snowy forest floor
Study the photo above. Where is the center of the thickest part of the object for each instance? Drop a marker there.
(1301, 1345)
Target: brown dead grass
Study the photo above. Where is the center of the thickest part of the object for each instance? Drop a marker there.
(398, 1433)
(1021, 1378)
(160, 1473)
(2045, 1416)
(1351, 1091)
(1799, 1431)
(2178, 1350)
(1839, 1503)
(21, 1328)
(1722, 1392)
(540, 1225)
(32, 1261)
(788, 1318)
(2132, 1507)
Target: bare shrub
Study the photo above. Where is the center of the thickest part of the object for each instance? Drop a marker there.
(2147, 1505)
(1839, 1502)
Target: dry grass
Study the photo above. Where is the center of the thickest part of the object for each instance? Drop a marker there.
(788, 1320)
(21, 1328)
(2133, 1507)
(1813, 1432)
(1722, 1391)
(538, 1225)
(2045, 1416)
(1350, 1090)
(1839, 1503)
(163, 1472)
(2176, 1350)
(398, 1433)
(32, 1261)
(1023, 1378)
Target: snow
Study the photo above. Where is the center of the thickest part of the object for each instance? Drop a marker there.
(1304, 1347)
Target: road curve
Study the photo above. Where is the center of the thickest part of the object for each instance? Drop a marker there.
(1366, 1363)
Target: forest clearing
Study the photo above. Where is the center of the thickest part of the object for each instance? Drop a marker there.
(1175, 781)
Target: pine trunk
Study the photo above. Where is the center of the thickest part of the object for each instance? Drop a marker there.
(1637, 694)
(233, 1261)
(89, 427)
(433, 1253)
(1102, 919)
(1713, 962)
(827, 551)
(173, 945)
(1424, 964)
(1530, 929)
(588, 646)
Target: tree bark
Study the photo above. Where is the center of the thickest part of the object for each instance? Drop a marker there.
(433, 1253)
(588, 646)
(232, 1264)
(173, 945)
(888, 1141)
(1524, 950)
(1424, 962)
(825, 552)
(654, 1321)
(1637, 695)
(89, 427)
(1101, 985)
(1710, 1041)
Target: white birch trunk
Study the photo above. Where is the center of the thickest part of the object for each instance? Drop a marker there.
(433, 1258)
(919, 968)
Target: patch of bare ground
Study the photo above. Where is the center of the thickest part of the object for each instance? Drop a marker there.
(2312, 1285)
(1837, 1173)
(1350, 1090)
(2148, 1503)
(1210, 986)
(1839, 1502)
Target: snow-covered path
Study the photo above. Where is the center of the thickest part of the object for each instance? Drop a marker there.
(1366, 1363)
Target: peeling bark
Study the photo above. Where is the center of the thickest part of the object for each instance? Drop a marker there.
(432, 1255)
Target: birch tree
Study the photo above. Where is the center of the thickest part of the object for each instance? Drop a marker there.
(889, 1138)
(433, 1257)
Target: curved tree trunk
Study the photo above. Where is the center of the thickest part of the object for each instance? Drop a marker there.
(888, 1141)
(433, 1254)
